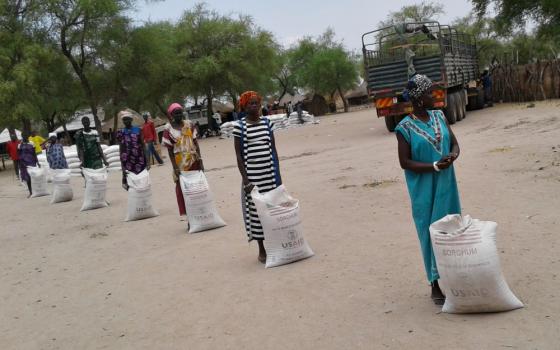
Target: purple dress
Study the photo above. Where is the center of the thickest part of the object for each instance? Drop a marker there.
(27, 157)
(132, 154)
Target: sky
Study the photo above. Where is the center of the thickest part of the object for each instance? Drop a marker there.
(289, 20)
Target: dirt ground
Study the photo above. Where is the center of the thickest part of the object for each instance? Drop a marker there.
(88, 280)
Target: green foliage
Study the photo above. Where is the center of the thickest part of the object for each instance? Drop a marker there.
(519, 47)
(514, 14)
(323, 66)
(425, 11)
(223, 55)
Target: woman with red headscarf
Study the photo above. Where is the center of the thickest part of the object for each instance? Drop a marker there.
(179, 136)
(257, 161)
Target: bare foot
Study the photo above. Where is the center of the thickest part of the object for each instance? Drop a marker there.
(262, 258)
(29, 195)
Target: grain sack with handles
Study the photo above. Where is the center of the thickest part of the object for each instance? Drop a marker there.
(139, 196)
(38, 181)
(199, 202)
(281, 222)
(96, 189)
(62, 189)
(469, 266)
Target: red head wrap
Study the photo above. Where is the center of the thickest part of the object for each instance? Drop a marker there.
(246, 97)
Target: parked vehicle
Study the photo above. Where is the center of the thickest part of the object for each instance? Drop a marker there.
(448, 57)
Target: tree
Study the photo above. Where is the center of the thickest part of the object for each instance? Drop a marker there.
(323, 66)
(53, 90)
(17, 31)
(76, 26)
(220, 55)
(150, 76)
(519, 46)
(425, 11)
(513, 14)
(284, 74)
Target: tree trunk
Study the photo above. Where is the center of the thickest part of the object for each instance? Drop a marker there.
(26, 125)
(209, 111)
(50, 122)
(284, 91)
(83, 78)
(161, 109)
(67, 134)
(343, 100)
(235, 101)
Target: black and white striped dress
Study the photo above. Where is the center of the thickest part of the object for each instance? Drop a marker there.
(261, 166)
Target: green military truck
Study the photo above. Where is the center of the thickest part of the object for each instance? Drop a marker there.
(448, 57)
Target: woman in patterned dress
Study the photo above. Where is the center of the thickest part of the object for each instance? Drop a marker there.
(27, 157)
(55, 153)
(427, 150)
(179, 136)
(131, 147)
(257, 161)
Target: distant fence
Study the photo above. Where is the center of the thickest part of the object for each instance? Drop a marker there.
(529, 82)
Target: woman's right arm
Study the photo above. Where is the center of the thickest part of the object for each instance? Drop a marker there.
(405, 158)
(241, 166)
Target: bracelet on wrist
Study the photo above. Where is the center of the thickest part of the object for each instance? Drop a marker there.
(436, 168)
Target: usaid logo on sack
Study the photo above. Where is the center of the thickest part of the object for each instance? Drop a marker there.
(293, 241)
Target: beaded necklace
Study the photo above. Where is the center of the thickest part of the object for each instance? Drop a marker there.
(435, 126)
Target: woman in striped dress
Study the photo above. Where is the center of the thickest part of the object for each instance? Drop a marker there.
(257, 161)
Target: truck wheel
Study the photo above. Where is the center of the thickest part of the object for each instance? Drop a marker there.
(458, 106)
(480, 99)
(390, 123)
(451, 109)
(462, 105)
(472, 103)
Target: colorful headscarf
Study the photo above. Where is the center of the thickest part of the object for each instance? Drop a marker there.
(417, 86)
(173, 107)
(246, 97)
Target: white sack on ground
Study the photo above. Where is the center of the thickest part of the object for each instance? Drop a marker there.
(38, 181)
(62, 189)
(199, 202)
(281, 221)
(114, 159)
(469, 266)
(96, 189)
(139, 197)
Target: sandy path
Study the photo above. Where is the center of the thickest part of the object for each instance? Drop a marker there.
(71, 280)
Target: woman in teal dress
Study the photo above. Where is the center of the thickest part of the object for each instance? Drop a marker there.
(427, 150)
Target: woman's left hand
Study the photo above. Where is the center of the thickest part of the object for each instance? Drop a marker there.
(453, 156)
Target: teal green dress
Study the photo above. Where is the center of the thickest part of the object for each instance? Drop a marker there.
(433, 195)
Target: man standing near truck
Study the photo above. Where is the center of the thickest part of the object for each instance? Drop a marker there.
(487, 86)
(150, 139)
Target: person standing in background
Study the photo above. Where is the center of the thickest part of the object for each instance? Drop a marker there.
(89, 148)
(131, 147)
(487, 86)
(27, 158)
(150, 139)
(37, 141)
(180, 138)
(55, 153)
(299, 108)
(12, 149)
